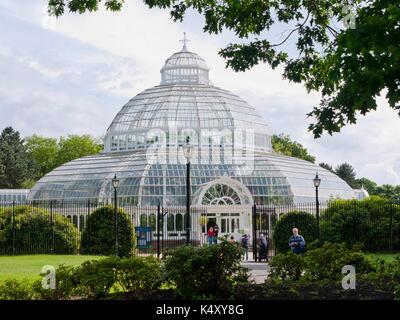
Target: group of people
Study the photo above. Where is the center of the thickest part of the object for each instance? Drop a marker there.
(296, 242)
(262, 247)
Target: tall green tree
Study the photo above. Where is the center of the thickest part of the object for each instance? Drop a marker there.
(349, 50)
(43, 151)
(388, 191)
(346, 172)
(283, 144)
(74, 147)
(367, 184)
(326, 166)
(15, 164)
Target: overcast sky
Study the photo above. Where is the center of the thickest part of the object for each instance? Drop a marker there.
(72, 75)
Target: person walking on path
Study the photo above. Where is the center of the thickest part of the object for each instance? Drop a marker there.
(245, 246)
(296, 242)
(263, 253)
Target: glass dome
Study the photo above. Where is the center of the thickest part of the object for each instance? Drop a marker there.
(158, 121)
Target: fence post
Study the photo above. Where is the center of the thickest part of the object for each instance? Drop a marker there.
(13, 226)
(158, 231)
(391, 225)
(255, 232)
(89, 231)
(52, 227)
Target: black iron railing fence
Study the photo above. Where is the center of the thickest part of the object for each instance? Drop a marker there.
(32, 227)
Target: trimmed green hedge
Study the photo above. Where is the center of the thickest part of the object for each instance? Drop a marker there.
(362, 221)
(99, 235)
(305, 222)
(36, 231)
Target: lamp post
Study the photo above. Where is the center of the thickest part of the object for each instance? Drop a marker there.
(115, 184)
(187, 151)
(317, 182)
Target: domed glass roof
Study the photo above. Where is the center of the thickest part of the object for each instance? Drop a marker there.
(184, 101)
(185, 67)
(159, 119)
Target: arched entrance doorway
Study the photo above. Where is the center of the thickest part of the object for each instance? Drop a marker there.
(228, 205)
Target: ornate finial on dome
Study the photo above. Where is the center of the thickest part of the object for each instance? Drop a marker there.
(184, 40)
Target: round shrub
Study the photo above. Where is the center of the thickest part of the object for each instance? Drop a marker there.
(37, 231)
(99, 235)
(205, 272)
(374, 222)
(304, 221)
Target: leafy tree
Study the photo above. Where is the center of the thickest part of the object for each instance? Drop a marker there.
(326, 166)
(74, 147)
(367, 184)
(350, 66)
(285, 145)
(43, 151)
(15, 165)
(388, 191)
(346, 172)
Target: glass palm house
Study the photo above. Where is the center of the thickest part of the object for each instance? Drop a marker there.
(232, 161)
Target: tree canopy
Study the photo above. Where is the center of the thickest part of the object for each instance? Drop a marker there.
(74, 147)
(283, 144)
(350, 65)
(346, 172)
(24, 161)
(326, 166)
(15, 165)
(43, 151)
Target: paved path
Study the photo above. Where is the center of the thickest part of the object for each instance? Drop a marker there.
(258, 271)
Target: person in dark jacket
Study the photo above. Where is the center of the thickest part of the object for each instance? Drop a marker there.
(263, 252)
(216, 230)
(296, 242)
(245, 246)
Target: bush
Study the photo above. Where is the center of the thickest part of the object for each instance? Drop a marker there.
(286, 266)
(99, 235)
(36, 231)
(305, 222)
(16, 290)
(387, 273)
(95, 278)
(138, 276)
(321, 264)
(326, 263)
(66, 285)
(366, 221)
(205, 272)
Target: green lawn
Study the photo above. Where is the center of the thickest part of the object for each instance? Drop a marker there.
(387, 257)
(29, 266)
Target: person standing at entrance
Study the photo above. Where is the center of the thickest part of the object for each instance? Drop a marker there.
(245, 246)
(210, 235)
(216, 229)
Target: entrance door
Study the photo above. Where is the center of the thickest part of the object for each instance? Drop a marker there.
(228, 224)
(231, 220)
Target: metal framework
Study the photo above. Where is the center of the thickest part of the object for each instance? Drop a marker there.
(230, 139)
